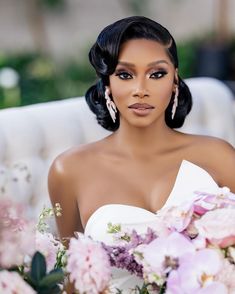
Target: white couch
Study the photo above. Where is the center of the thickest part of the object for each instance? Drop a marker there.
(32, 136)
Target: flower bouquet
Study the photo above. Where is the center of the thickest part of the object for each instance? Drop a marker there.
(191, 250)
(31, 259)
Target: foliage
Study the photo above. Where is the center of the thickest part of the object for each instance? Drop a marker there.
(52, 4)
(40, 280)
(187, 54)
(41, 79)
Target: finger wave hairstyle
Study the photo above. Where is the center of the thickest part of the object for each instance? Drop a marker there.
(104, 58)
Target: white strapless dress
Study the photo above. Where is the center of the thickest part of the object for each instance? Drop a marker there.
(190, 178)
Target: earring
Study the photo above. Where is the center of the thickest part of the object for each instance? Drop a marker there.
(110, 104)
(175, 104)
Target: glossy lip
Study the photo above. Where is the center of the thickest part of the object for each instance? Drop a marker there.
(141, 106)
(141, 109)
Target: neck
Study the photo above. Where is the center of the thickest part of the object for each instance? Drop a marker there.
(139, 141)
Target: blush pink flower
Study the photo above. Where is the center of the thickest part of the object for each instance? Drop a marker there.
(88, 265)
(49, 247)
(227, 276)
(196, 274)
(14, 245)
(199, 242)
(12, 283)
(162, 254)
(177, 217)
(206, 202)
(218, 226)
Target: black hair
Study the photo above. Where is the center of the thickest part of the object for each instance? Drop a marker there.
(104, 58)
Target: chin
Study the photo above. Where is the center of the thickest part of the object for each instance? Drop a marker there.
(141, 122)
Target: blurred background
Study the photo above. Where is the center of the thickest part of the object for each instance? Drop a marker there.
(44, 43)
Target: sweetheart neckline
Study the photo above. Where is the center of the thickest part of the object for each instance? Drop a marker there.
(141, 208)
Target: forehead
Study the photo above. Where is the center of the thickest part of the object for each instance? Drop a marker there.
(142, 50)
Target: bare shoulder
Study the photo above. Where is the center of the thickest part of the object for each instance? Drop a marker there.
(63, 186)
(74, 159)
(70, 166)
(219, 156)
(213, 148)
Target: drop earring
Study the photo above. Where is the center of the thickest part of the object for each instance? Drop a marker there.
(110, 104)
(175, 104)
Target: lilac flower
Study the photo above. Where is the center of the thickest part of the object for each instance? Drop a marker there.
(88, 265)
(120, 257)
(137, 239)
(196, 274)
(12, 283)
(123, 256)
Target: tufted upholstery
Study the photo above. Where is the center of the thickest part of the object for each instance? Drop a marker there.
(213, 111)
(32, 136)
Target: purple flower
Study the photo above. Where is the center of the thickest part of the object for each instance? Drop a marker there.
(120, 257)
(196, 274)
(174, 246)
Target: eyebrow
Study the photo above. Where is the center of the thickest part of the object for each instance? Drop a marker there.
(150, 64)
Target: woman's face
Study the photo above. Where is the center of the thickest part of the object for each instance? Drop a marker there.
(143, 82)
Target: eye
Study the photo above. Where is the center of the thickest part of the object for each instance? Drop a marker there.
(158, 74)
(124, 75)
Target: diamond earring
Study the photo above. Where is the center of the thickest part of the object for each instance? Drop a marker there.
(175, 104)
(110, 104)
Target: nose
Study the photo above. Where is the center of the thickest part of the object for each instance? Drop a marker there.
(140, 90)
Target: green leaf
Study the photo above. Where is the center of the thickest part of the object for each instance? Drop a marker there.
(30, 280)
(49, 290)
(54, 277)
(38, 267)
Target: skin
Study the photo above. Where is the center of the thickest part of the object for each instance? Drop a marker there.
(138, 164)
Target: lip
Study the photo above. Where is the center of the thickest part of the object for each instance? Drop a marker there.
(141, 109)
(141, 106)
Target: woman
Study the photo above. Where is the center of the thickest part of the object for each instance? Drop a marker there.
(144, 163)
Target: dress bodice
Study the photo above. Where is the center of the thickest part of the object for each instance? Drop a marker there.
(190, 178)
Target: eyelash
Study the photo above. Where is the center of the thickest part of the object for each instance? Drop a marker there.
(120, 74)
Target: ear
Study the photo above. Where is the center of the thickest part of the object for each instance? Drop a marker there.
(107, 89)
(176, 77)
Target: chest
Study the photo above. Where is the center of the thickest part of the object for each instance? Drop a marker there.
(143, 184)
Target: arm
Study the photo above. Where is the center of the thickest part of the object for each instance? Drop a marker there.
(60, 186)
(223, 155)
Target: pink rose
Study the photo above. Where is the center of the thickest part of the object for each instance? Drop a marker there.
(218, 226)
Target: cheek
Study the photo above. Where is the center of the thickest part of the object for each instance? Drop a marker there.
(165, 90)
(119, 91)
(160, 93)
